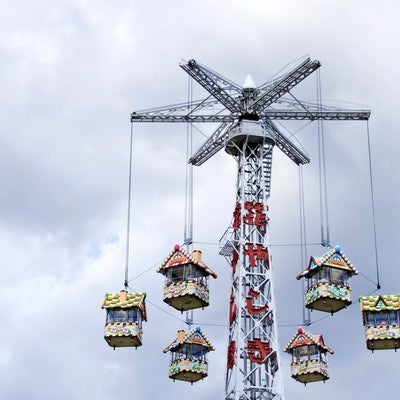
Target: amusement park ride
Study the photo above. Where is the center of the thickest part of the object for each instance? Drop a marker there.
(248, 132)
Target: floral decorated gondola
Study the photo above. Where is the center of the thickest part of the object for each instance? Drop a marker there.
(328, 277)
(380, 316)
(186, 286)
(189, 356)
(308, 357)
(125, 313)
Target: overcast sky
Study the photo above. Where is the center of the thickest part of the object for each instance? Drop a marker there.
(71, 73)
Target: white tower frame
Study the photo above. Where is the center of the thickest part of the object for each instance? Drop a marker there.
(253, 358)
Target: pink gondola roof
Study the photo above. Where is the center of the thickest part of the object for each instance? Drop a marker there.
(304, 338)
(179, 256)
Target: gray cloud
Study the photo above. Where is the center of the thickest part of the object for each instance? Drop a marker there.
(71, 73)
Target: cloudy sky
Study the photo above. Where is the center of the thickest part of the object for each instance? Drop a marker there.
(71, 73)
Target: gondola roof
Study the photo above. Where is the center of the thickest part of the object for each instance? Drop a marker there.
(179, 256)
(334, 258)
(126, 300)
(304, 338)
(193, 336)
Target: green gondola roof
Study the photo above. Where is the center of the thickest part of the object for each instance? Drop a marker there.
(380, 303)
(126, 300)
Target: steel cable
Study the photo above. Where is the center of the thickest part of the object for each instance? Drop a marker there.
(128, 222)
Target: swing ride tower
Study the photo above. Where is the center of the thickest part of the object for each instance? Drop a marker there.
(248, 132)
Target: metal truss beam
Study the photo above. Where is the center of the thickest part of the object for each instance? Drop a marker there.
(342, 115)
(135, 117)
(213, 144)
(283, 115)
(287, 147)
(226, 83)
(283, 86)
(187, 108)
(211, 82)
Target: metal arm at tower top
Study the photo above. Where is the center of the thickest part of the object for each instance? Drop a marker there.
(287, 146)
(271, 114)
(284, 85)
(212, 145)
(219, 138)
(211, 82)
(185, 108)
(225, 83)
(231, 104)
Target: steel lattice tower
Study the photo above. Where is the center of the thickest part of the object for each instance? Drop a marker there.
(248, 133)
(253, 366)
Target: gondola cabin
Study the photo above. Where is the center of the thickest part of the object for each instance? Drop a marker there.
(186, 280)
(328, 281)
(189, 356)
(125, 314)
(308, 357)
(380, 315)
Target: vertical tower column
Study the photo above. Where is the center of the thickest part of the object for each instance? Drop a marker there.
(253, 371)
